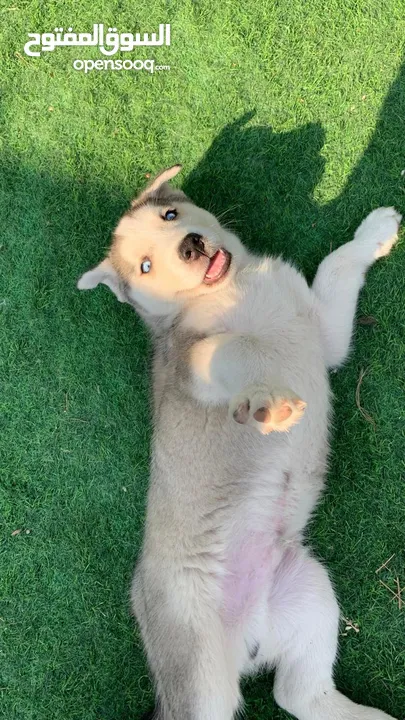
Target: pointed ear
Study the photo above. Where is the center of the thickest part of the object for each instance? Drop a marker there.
(103, 273)
(159, 188)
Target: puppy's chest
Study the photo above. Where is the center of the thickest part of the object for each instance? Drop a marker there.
(265, 314)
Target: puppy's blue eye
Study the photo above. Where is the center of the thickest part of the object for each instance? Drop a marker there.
(146, 266)
(170, 215)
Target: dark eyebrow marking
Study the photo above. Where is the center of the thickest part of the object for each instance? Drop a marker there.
(159, 200)
(253, 652)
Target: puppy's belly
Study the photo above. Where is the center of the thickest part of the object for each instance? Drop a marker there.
(249, 570)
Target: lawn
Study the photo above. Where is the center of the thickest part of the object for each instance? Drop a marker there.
(290, 116)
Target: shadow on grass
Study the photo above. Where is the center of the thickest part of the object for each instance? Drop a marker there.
(262, 180)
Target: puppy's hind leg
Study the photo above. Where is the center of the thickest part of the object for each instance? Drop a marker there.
(194, 668)
(340, 278)
(302, 642)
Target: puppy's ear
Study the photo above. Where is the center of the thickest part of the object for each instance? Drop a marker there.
(103, 273)
(159, 187)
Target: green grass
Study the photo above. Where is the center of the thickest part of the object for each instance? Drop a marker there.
(292, 117)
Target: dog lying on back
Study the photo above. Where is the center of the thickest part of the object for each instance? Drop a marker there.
(224, 585)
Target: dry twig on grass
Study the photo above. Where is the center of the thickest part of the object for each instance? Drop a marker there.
(362, 410)
(384, 565)
(399, 593)
(350, 626)
(396, 595)
(367, 320)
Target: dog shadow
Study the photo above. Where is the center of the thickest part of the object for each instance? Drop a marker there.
(262, 183)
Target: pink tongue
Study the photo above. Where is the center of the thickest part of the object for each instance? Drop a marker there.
(216, 265)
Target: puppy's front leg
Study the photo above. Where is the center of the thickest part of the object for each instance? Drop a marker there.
(241, 371)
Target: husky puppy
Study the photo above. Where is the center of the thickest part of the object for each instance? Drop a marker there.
(225, 584)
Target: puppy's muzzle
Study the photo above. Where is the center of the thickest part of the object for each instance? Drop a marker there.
(191, 247)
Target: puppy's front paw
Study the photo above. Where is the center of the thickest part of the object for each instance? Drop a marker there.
(268, 410)
(379, 232)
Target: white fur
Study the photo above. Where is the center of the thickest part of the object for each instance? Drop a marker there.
(341, 275)
(224, 567)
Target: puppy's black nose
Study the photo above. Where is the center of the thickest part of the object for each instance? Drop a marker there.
(191, 247)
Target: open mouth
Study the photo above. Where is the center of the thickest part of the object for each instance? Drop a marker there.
(218, 267)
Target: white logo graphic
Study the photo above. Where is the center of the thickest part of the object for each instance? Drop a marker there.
(108, 44)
